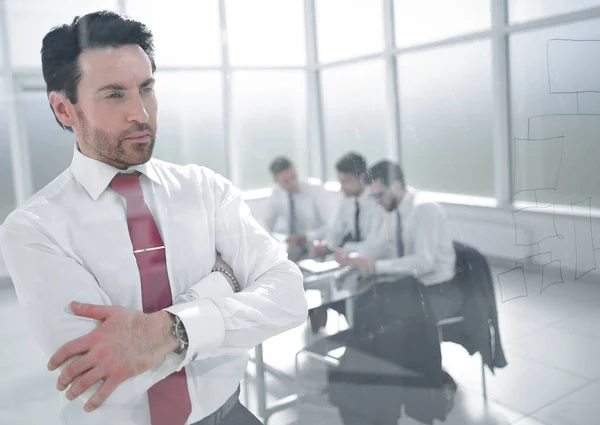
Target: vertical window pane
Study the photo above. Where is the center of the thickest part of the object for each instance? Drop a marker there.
(446, 120)
(354, 112)
(415, 23)
(190, 127)
(266, 32)
(526, 10)
(348, 28)
(50, 147)
(186, 33)
(30, 20)
(268, 119)
(555, 81)
(7, 199)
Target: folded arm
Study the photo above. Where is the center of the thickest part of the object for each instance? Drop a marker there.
(47, 280)
(272, 299)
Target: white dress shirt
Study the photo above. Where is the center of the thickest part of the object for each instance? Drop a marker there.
(371, 225)
(71, 242)
(428, 247)
(312, 206)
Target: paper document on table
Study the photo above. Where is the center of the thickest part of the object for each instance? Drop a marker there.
(316, 267)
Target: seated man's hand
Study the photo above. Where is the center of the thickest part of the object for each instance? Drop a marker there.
(296, 240)
(341, 257)
(221, 264)
(319, 249)
(365, 265)
(126, 343)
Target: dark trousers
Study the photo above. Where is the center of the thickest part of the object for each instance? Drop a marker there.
(238, 415)
(379, 404)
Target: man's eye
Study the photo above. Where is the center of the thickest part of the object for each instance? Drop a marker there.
(147, 89)
(114, 96)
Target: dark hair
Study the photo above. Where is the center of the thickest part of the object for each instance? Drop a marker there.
(62, 46)
(352, 163)
(388, 172)
(279, 164)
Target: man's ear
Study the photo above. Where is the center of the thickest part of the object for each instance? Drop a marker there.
(63, 108)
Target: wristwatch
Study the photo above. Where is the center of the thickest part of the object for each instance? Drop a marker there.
(180, 334)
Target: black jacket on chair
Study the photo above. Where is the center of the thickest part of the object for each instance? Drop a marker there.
(479, 331)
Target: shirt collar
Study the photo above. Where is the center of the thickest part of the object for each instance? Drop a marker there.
(95, 176)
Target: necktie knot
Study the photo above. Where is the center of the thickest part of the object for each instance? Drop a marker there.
(128, 185)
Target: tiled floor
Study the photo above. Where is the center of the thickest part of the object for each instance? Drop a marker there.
(551, 341)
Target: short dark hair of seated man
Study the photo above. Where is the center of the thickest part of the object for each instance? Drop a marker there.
(352, 173)
(284, 174)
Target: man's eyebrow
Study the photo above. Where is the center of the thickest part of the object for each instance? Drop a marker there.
(107, 87)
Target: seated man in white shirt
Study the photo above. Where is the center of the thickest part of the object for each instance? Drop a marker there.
(103, 258)
(422, 243)
(357, 225)
(297, 209)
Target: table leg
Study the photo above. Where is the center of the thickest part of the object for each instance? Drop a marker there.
(350, 311)
(261, 387)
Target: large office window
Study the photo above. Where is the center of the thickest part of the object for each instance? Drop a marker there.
(50, 147)
(266, 32)
(354, 112)
(416, 23)
(446, 119)
(268, 118)
(29, 20)
(7, 197)
(190, 124)
(555, 94)
(348, 28)
(526, 10)
(186, 33)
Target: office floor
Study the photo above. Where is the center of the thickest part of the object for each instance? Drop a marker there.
(550, 340)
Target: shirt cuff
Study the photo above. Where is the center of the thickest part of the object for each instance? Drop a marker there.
(213, 285)
(204, 326)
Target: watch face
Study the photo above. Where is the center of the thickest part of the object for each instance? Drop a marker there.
(181, 333)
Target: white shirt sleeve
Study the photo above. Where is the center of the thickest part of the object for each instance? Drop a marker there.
(47, 280)
(427, 224)
(272, 299)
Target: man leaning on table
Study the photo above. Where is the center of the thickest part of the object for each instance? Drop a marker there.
(299, 209)
(106, 258)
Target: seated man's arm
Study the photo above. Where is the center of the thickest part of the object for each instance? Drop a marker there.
(272, 298)
(428, 224)
(47, 280)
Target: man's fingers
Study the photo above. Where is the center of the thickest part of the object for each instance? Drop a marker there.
(93, 311)
(105, 390)
(75, 369)
(85, 381)
(70, 349)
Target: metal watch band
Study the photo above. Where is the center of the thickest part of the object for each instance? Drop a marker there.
(236, 284)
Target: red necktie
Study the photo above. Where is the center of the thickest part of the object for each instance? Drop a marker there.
(169, 399)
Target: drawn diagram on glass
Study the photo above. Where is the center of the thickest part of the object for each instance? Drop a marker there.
(570, 71)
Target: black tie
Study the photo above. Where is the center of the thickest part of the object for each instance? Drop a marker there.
(357, 222)
(293, 223)
(399, 243)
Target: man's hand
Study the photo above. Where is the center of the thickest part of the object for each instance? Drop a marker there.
(342, 258)
(319, 249)
(365, 265)
(125, 344)
(296, 240)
